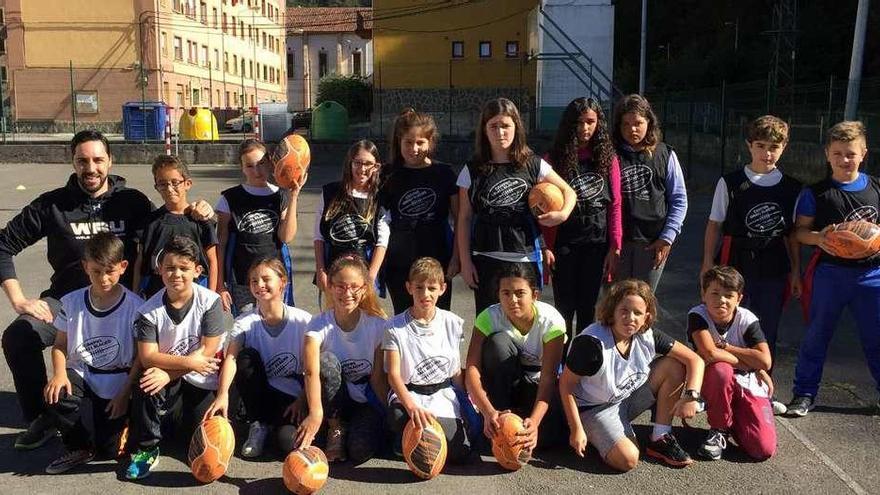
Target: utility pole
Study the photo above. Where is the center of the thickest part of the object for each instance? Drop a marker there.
(643, 48)
(855, 64)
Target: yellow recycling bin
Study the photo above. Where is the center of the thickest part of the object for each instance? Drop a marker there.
(198, 124)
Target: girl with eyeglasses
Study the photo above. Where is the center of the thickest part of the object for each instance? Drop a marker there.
(344, 378)
(348, 216)
(255, 220)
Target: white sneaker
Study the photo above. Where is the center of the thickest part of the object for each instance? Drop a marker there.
(779, 408)
(257, 434)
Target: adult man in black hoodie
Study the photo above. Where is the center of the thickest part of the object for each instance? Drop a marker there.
(92, 201)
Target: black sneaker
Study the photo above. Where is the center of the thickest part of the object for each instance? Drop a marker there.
(800, 405)
(69, 461)
(713, 446)
(40, 431)
(667, 450)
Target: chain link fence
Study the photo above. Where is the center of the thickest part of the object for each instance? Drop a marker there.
(707, 125)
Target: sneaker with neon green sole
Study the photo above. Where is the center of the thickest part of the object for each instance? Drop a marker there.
(142, 463)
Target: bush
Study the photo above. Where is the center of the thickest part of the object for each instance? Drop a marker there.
(352, 92)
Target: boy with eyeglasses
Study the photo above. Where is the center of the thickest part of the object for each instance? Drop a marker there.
(172, 180)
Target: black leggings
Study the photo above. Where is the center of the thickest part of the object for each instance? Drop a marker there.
(363, 420)
(577, 279)
(508, 387)
(67, 413)
(262, 401)
(23, 344)
(488, 269)
(147, 411)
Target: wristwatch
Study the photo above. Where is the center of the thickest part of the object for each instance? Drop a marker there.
(691, 395)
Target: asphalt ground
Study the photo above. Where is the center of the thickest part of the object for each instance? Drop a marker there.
(831, 451)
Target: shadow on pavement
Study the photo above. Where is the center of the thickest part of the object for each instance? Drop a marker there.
(373, 474)
(9, 404)
(265, 485)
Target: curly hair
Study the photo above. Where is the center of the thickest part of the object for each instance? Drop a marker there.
(639, 105)
(564, 153)
(617, 292)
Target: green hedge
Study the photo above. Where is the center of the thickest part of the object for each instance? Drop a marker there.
(352, 92)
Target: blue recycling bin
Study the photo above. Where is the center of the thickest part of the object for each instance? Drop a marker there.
(144, 120)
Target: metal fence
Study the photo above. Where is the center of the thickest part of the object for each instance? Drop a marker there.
(708, 124)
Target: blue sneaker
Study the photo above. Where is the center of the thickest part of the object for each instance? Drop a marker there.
(142, 463)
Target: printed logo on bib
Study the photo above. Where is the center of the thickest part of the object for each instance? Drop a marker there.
(506, 192)
(352, 369)
(431, 370)
(98, 352)
(258, 222)
(283, 364)
(764, 218)
(627, 385)
(868, 213)
(348, 228)
(588, 186)
(634, 180)
(185, 346)
(417, 202)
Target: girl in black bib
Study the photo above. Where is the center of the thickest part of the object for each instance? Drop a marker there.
(495, 226)
(348, 216)
(583, 251)
(420, 195)
(256, 219)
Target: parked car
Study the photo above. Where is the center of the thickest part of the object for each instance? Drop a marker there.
(301, 119)
(243, 123)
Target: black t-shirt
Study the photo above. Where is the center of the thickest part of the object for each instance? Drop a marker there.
(211, 324)
(418, 201)
(161, 227)
(585, 357)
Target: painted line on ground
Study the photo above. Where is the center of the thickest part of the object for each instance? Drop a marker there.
(827, 461)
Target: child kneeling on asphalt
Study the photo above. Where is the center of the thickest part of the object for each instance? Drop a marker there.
(618, 368)
(179, 332)
(94, 357)
(736, 386)
(421, 348)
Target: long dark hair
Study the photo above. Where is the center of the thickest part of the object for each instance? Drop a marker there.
(519, 148)
(564, 153)
(640, 106)
(343, 201)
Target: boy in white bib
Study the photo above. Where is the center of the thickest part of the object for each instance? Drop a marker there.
(737, 385)
(421, 347)
(179, 332)
(94, 357)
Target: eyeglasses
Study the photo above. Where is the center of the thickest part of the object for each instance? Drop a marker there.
(364, 165)
(344, 289)
(173, 184)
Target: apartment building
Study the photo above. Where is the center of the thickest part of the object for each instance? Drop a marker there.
(100, 55)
